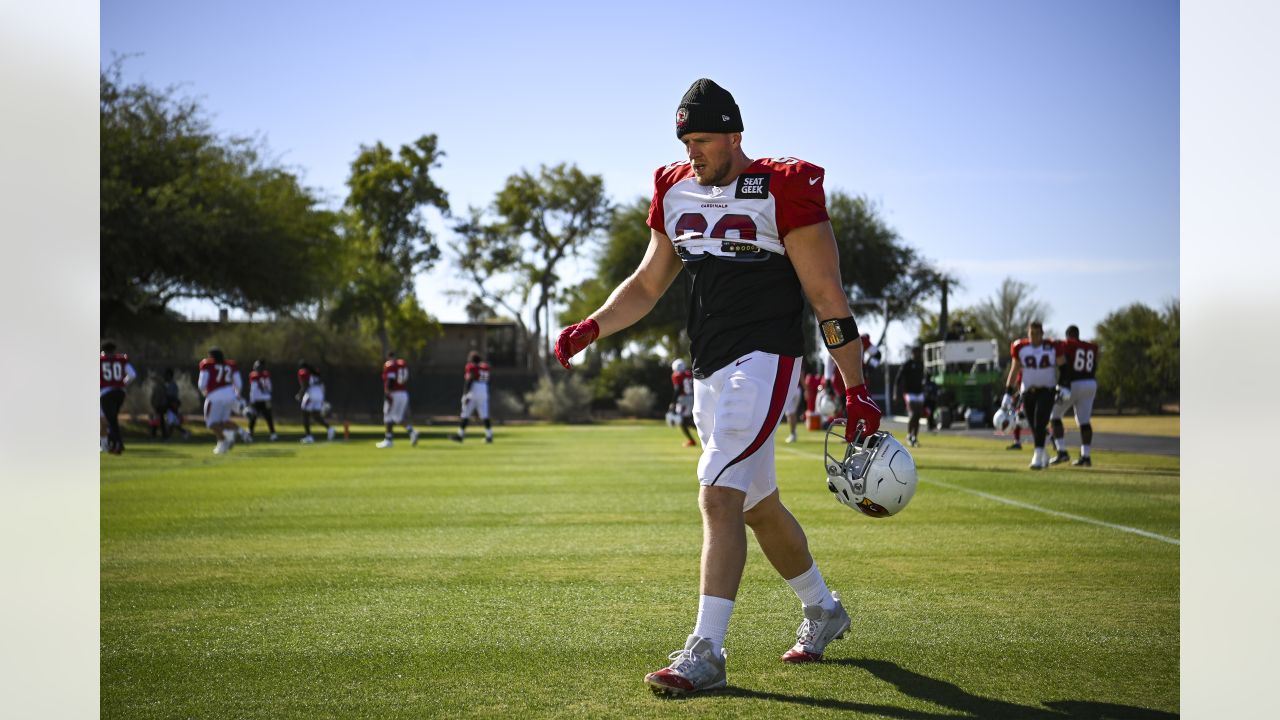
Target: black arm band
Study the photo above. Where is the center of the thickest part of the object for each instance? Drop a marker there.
(1008, 389)
(837, 332)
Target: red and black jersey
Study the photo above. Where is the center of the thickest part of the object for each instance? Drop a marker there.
(476, 373)
(395, 375)
(682, 383)
(1039, 362)
(1081, 360)
(744, 294)
(220, 374)
(114, 370)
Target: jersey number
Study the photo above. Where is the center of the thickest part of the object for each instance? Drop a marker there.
(222, 374)
(1083, 361)
(697, 223)
(1030, 362)
(402, 376)
(112, 371)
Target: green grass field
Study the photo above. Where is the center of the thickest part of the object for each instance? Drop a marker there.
(544, 575)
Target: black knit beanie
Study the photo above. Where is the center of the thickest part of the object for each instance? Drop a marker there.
(707, 107)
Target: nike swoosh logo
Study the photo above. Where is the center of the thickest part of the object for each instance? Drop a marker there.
(814, 181)
(741, 361)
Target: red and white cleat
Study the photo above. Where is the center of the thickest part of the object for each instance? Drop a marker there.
(693, 669)
(819, 628)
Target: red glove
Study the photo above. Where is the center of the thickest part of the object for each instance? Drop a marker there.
(574, 339)
(860, 407)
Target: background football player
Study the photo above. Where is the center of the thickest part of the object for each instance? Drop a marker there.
(395, 404)
(1037, 360)
(219, 381)
(260, 397)
(311, 397)
(682, 398)
(114, 375)
(475, 396)
(1078, 375)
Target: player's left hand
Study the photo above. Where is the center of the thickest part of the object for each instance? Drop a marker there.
(862, 411)
(1064, 393)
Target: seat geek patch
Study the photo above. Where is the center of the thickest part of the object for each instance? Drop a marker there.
(751, 187)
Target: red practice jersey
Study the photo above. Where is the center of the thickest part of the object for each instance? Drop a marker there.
(221, 374)
(476, 372)
(114, 372)
(731, 240)
(261, 378)
(682, 382)
(395, 375)
(304, 378)
(1039, 362)
(1082, 360)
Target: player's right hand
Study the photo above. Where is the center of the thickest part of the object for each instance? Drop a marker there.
(575, 338)
(1006, 403)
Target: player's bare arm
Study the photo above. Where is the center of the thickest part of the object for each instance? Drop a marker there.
(636, 296)
(814, 255)
(1014, 369)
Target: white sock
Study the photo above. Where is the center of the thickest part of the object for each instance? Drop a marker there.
(230, 435)
(1059, 445)
(713, 620)
(1084, 451)
(812, 589)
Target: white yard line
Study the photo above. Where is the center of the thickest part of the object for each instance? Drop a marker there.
(1036, 508)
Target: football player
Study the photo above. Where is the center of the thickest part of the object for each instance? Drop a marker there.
(1078, 376)
(114, 375)
(219, 382)
(910, 385)
(1037, 360)
(682, 398)
(395, 393)
(475, 396)
(755, 239)
(311, 397)
(260, 397)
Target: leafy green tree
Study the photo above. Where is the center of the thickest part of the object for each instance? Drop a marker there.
(876, 263)
(388, 242)
(1138, 360)
(929, 330)
(511, 262)
(1005, 315)
(624, 247)
(186, 213)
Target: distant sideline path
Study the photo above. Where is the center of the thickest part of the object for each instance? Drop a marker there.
(1120, 442)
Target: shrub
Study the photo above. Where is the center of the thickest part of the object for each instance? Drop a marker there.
(637, 401)
(567, 400)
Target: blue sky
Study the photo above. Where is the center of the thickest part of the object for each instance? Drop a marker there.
(1038, 140)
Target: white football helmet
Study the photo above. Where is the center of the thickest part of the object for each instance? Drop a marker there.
(826, 404)
(876, 477)
(678, 366)
(1003, 420)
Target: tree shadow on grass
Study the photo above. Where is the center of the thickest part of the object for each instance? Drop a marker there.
(966, 706)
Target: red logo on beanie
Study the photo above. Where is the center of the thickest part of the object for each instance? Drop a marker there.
(682, 117)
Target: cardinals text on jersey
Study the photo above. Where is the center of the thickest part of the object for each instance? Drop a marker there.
(1039, 362)
(744, 293)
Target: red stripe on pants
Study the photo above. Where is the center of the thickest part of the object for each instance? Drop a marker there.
(781, 387)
